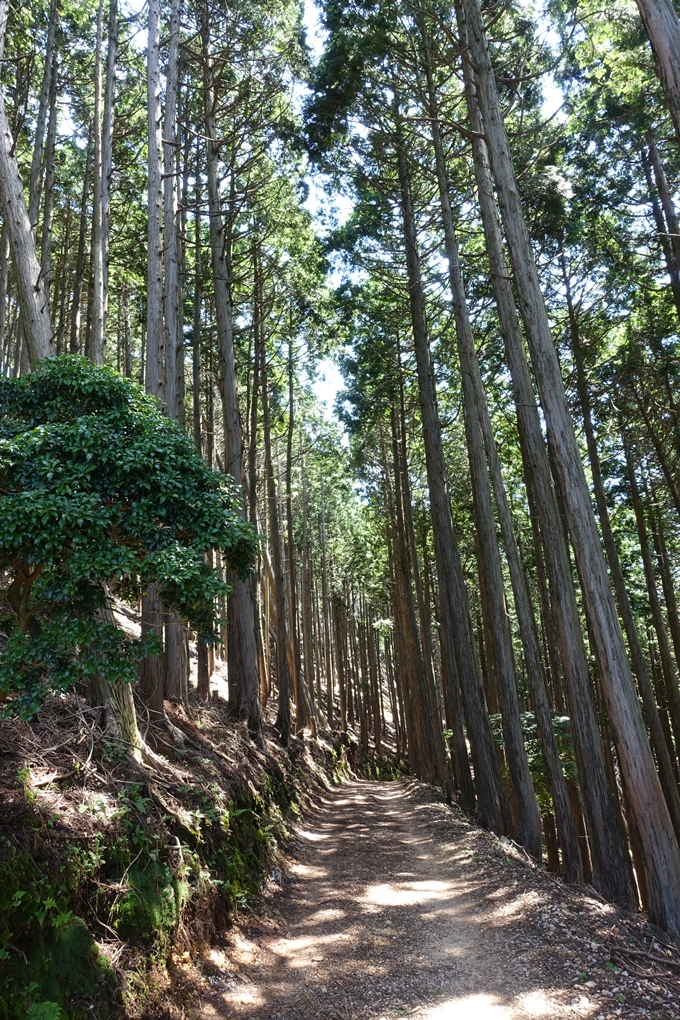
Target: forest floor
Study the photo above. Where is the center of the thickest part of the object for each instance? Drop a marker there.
(392, 905)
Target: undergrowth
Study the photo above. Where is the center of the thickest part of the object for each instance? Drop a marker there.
(109, 870)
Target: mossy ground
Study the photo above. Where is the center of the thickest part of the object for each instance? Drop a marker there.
(109, 870)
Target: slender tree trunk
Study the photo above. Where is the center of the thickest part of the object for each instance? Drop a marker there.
(152, 670)
(456, 625)
(668, 668)
(424, 755)
(171, 291)
(5, 335)
(33, 297)
(244, 646)
(666, 577)
(326, 616)
(96, 335)
(154, 298)
(477, 430)
(48, 206)
(561, 608)
(637, 655)
(283, 722)
(198, 313)
(79, 274)
(107, 161)
(673, 227)
(176, 662)
(35, 179)
(635, 756)
(301, 719)
(662, 232)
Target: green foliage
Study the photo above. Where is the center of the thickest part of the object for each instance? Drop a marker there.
(44, 1011)
(147, 874)
(99, 488)
(150, 908)
(48, 957)
(562, 730)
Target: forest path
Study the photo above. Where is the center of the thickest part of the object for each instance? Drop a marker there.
(396, 906)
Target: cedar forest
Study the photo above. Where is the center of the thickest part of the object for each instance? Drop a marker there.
(470, 566)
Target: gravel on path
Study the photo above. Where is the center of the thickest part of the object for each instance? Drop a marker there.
(395, 905)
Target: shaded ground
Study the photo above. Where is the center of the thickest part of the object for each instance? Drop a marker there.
(395, 906)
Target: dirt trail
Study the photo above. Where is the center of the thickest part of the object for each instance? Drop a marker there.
(396, 906)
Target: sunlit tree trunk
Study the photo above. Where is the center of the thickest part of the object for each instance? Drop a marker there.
(243, 654)
(456, 623)
(171, 289)
(635, 756)
(33, 297)
(634, 645)
(79, 274)
(663, 28)
(477, 430)
(154, 297)
(48, 205)
(36, 174)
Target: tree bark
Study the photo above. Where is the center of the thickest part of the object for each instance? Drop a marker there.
(79, 275)
(457, 635)
(634, 645)
(635, 756)
(171, 290)
(479, 435)
(663, 28)
(33, 297)
(549, 541)
(35, 179)
(154, 297)
(244, 650)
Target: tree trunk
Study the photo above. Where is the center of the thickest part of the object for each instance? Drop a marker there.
(154, 297)
(79, 275)
(663, 28)
(102, 168)
(198, 313)
(638, 659)
(672, 225)
(171, 291)
(301, 716)
(283, 721)
(561, 609)
(478, 434)
(107, 164)
(244, 646)
(48, 206)
(635, 756)
(33, 297)
(662, 233)
(457, 635)
(326, 616)
(35, 179)
(5, 335)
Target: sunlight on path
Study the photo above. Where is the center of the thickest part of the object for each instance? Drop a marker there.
(473, 1007)
(385, 915)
